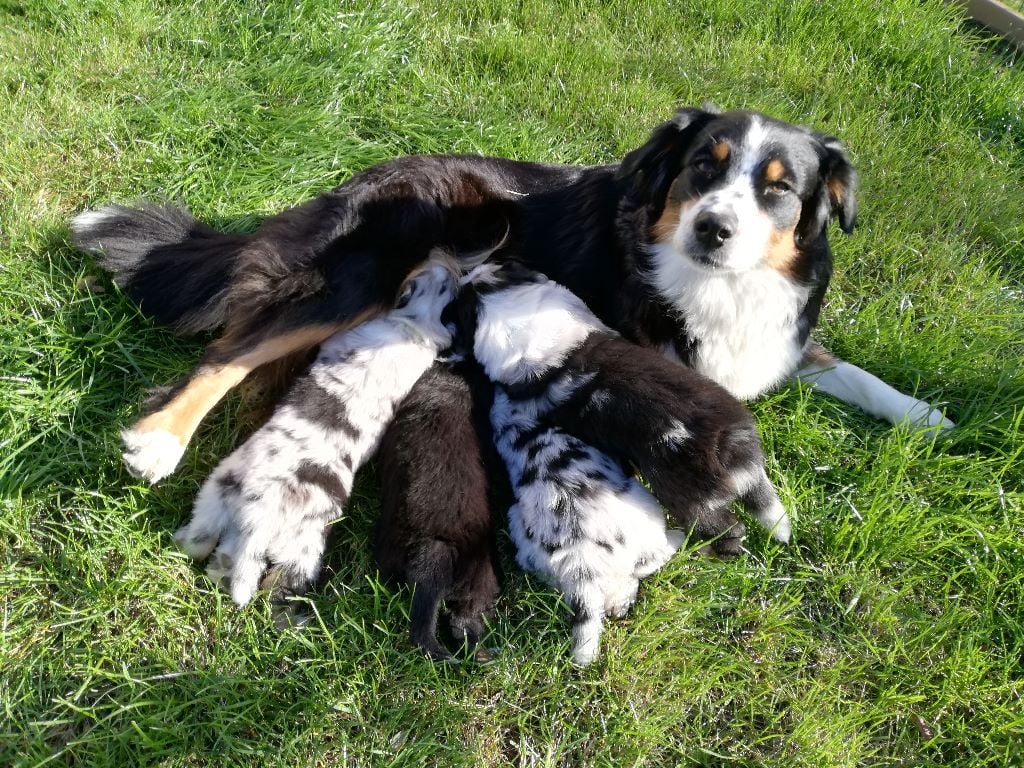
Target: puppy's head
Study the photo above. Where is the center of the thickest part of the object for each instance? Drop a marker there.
(737, 191)
(426, 292)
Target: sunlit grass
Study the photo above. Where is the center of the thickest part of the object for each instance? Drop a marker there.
(889, 633)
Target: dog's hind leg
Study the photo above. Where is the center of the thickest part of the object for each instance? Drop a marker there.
(154, 444)
(587, 602)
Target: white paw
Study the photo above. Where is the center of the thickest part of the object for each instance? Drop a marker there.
(927, 420)
(197, 547)
(776, 521)
(218, 570)
(151, 455)
(583, 655)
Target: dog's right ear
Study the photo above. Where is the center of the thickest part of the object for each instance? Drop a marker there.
(651, 169)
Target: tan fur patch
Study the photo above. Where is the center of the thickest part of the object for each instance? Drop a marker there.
(815, 353)
(836, 190)
(781, 252)
(665, 227)
(181, 416)
(774, 171)
(721, 151)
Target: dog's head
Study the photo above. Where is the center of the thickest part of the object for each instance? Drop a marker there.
(738, 191)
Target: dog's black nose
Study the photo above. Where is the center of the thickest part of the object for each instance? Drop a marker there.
(713, 229)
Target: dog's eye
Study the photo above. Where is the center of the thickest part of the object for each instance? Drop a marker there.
(404, 299)
(704, 166)
(778, 187)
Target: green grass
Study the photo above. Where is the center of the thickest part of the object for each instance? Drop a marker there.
(890, 633)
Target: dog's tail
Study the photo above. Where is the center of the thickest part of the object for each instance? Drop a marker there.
(175, 267)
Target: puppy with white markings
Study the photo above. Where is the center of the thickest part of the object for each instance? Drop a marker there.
(693, 442)
(435, 529)
(578, 521)
(268, 504)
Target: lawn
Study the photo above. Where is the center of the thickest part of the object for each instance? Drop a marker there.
(890, 632)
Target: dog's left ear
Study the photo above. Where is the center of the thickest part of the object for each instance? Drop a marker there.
(652, 168)
(837, 191)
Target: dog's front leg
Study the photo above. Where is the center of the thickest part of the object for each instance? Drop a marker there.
(822, 370)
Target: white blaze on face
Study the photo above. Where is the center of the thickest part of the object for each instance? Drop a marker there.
(736, 201)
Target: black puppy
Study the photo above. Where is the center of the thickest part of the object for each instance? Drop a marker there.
(435, 530)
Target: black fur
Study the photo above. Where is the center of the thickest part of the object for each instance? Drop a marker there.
(435, 529)
(346, 251)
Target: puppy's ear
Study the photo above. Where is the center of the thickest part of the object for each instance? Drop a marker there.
(836, 195)
(651, 169)
(460, 316)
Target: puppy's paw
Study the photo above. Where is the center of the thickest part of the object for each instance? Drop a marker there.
(218, 570)
(151, 456)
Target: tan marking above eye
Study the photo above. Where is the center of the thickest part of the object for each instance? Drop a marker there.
(774, 171)
(721, 151)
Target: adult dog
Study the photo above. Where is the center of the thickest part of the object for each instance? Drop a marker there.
(707, 242)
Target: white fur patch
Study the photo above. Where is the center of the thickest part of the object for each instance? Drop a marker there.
(524, 330)
(151, 456)
(83, 224)
(866, 391)
(745, 322)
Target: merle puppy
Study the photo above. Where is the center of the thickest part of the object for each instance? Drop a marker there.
(695, 443)
(435, 530)
(579, 521)
(269, 502)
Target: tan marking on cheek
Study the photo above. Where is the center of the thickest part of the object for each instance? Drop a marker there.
(781, 253)
(721, 151)
(774, 171)
(665, 227)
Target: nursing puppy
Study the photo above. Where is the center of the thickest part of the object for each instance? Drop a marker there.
(578, 521)
(694, 443)
(268, 504)
(435, 530)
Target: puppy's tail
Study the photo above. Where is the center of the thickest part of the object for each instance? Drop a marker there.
(175, 267)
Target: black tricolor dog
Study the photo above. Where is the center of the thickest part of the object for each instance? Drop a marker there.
(708, 243)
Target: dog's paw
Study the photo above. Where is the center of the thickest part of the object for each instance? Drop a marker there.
(927, 420)
(151, 456)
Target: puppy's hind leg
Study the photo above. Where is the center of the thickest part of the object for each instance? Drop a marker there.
(432, 575)
(210, 517)
(587, 602)
(761, 500)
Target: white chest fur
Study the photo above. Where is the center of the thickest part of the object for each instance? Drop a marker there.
(745, 322)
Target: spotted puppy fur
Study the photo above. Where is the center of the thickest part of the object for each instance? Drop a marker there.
(579, 521)
(695, 444)
(269, 503)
